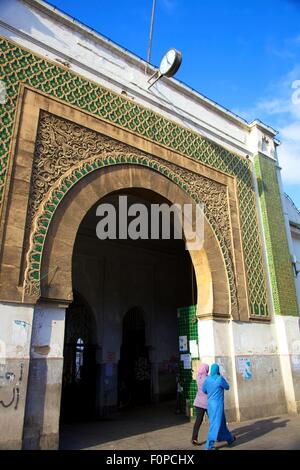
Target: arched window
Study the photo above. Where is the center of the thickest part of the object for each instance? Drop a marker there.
(79, 359)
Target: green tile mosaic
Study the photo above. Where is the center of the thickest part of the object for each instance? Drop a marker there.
(187, 326)
(280, 267)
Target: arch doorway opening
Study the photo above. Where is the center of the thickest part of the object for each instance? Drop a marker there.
(133, 289)
(134, 368)
(79, 371)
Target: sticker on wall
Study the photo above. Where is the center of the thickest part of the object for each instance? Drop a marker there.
(183, 344)
(245, 368)
(186, 358)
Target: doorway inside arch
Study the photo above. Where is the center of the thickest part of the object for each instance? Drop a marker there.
(133, 289)
(134, 368)
(79, 371)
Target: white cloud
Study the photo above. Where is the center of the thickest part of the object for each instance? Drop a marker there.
(289, 159)
(279, 110)
(291, 132)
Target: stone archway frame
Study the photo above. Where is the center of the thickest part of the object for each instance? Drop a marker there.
(19, 192)
(210, 270)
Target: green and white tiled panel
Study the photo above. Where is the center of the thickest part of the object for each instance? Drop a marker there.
(187, 324)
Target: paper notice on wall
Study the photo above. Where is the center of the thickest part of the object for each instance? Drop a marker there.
(186, 359)
(194, 348)
(295, 362)
(183, 343)
(20, 331)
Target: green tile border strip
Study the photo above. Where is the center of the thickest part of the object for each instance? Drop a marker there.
(187, 325)
(18, 65)
(280, 267)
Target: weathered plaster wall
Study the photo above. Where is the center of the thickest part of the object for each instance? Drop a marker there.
(15, 336)
(248, 355)
(257, 344)
(288, 334)
(41, 424)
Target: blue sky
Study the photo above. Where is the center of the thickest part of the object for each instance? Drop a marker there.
(243, 55)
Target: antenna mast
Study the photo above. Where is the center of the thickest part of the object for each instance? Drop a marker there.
(151, 31)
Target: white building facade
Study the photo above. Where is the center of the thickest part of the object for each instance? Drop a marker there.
(66, 85)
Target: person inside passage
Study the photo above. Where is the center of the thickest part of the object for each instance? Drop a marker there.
(200, 402)
(214, 386)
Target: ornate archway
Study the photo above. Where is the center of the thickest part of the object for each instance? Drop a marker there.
(56, 263)
(73, 167)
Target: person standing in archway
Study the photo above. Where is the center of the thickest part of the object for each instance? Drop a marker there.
(200, 402)
(214, 386)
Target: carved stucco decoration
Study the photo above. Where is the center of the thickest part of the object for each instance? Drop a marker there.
(63, 148)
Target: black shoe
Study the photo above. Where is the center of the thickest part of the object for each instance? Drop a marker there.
(196, 443)
(232, 441)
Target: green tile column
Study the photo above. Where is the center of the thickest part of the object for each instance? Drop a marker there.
(279, 261)
(187, 326)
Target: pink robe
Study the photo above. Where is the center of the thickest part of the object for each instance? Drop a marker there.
(201, 398)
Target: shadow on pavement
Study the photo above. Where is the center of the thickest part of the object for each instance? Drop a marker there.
(255, 430)
(126, 424)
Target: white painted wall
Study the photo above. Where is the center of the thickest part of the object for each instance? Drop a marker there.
(15, 331)
(35, 25)
(273, 351)
(15, 337)
(48, 332)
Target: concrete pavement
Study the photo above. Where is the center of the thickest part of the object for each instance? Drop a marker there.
(157, 427)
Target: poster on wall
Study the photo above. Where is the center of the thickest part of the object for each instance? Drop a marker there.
(245, 368)
(186, 359)
(183, 343)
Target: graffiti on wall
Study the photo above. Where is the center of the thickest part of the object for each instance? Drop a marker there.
(11, 375)
(9, 379)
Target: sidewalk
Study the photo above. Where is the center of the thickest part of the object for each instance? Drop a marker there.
(158, 428)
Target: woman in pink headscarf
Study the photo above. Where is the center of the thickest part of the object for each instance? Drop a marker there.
(200, 402)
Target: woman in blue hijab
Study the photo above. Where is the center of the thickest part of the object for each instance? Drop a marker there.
(214, 386)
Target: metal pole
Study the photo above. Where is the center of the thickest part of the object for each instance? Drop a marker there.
(151, 31)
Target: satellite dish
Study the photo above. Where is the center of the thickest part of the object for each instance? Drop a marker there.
(170, 63)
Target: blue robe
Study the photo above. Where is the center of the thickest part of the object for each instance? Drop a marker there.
(218, 431)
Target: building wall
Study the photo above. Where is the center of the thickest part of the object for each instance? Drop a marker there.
(15, 337)
(20, 67)
(279, 260)
(94, 70)
(41, 420)
(250, 359)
